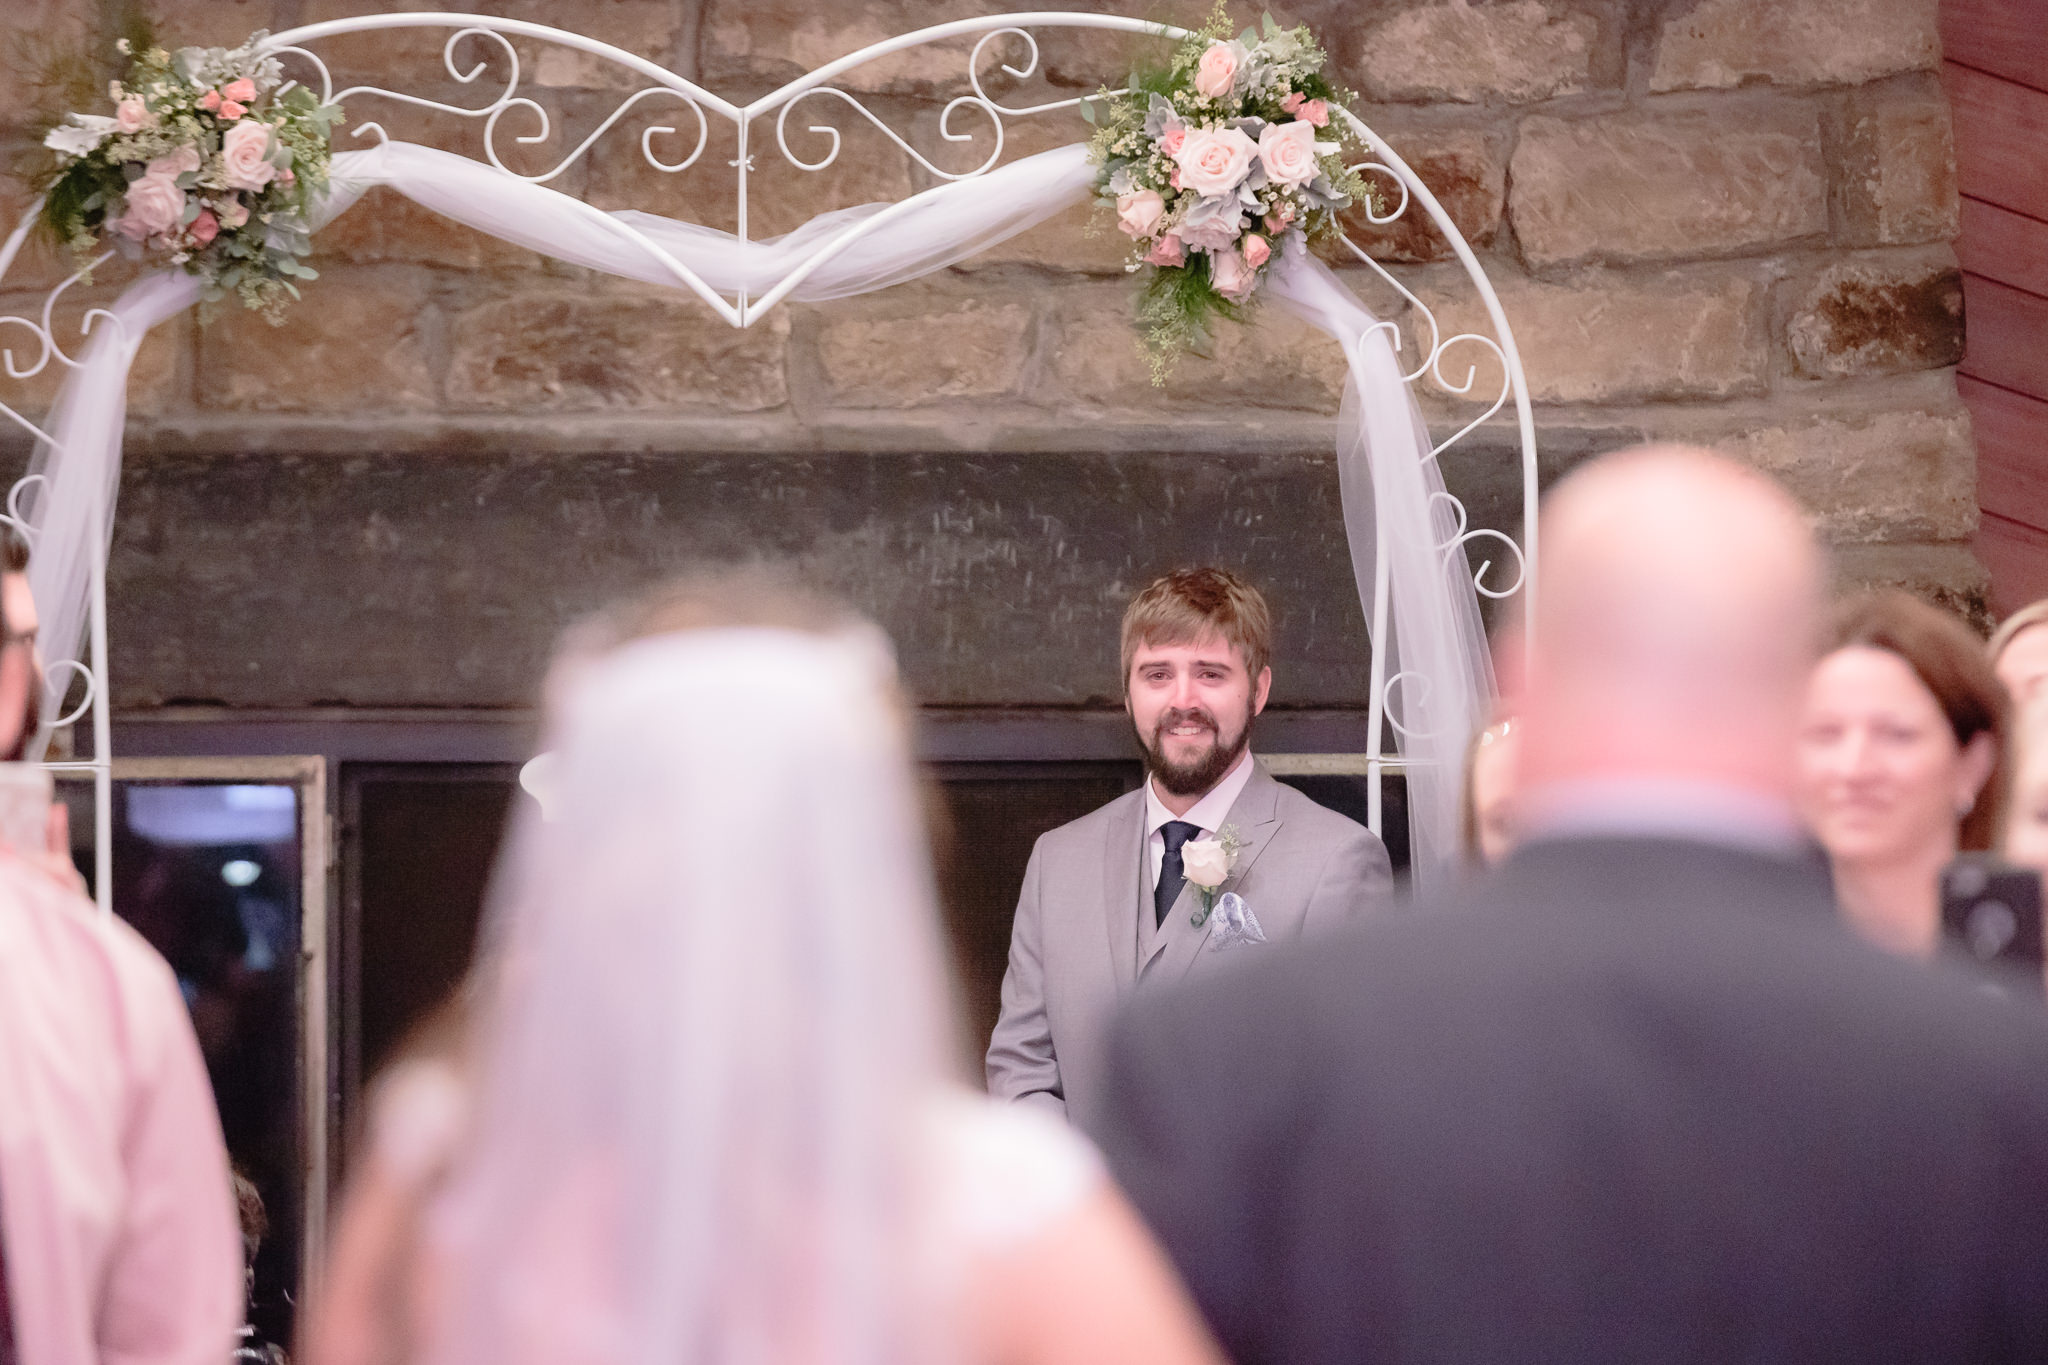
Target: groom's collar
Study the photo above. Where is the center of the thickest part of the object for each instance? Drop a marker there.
(1209, 813)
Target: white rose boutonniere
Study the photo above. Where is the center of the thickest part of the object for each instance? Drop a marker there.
(1207, 864)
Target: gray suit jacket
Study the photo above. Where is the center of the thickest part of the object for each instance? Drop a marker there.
(1084, 938)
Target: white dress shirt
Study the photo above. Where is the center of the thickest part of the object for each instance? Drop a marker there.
(1207, 814)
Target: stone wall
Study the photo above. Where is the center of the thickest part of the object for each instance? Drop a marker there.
(1718, 220)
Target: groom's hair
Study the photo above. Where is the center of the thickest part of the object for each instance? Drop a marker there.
(1188, 604)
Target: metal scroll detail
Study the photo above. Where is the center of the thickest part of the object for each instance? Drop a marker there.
(517, 135)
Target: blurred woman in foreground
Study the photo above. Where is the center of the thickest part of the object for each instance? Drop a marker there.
(1901, 762)
(716, 1112)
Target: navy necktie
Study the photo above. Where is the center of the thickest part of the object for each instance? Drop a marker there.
(1171, 876)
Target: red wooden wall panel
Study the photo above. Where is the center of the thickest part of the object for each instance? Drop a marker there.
(2001, 139)
(2004, 37)
(1996, 73)
(2008, 338)
(2001, 245)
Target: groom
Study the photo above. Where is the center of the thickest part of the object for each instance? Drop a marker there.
(1107, 906)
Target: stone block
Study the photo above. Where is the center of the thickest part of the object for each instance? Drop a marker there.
(385, 226)
(1080, 240)
(1895, 167)
(157, 381)
(750, 46)
(911, 346)
(1881, 315)
(212, 23)
(554, 349)
(1095, 359)
(1465, 168)
(1601, 337)
(41, 263)
(781, 194)
(360, 342)
(1520, 51)
(1870, 477)
(1719, 44)
(1631, 187)
(410, 59)
(1949, 576)
(447, 581)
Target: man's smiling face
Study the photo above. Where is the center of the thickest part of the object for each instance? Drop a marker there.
(1192, 706)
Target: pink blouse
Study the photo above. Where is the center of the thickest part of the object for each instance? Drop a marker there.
(116, 1210)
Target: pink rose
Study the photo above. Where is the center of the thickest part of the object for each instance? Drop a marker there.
(230, 111)
(233, 213)
(178, 163)
(206, 227)
(1233, 279)
(243, 154)
(1217, 71)
(1316, 112)
(1213, 160)
(242, 91)
(131, 114)
(1288, 152)
(210, 101)
(1170, 140)
(1292, 104)
(1166, 251)
(155, 204)
(1256, 250)
(1139, 212)
(1275, 224)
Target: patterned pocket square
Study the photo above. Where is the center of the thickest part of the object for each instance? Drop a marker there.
(1235, 923)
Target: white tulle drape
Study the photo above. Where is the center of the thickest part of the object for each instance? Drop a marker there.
(1393, 512)
(715, 1016)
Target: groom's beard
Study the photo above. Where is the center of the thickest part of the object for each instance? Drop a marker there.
(1207, 768)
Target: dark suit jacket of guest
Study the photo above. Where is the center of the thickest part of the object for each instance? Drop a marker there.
(1623, 1100)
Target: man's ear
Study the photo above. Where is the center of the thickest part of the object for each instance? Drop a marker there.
(1261, 688)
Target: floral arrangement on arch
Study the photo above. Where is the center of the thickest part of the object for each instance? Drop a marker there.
(208, 163)
(1214, 166)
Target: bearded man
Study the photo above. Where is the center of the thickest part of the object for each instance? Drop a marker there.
(1208, 860)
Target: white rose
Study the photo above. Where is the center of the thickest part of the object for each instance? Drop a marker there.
(1213, 160)
(1288, 152)
(244, 154)
(1205, 862)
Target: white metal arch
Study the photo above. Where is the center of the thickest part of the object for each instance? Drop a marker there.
(494, 36)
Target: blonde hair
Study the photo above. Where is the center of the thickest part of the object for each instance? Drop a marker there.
(2018, 624)
(1188, 604)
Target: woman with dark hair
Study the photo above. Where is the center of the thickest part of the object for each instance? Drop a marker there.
(1901, 761)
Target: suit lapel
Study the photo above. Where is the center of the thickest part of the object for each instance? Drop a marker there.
(1174, 946)
(1124, 887)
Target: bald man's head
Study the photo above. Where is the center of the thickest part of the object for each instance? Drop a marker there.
(1679, 613)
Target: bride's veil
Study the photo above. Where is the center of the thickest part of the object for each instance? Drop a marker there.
(717, 1007)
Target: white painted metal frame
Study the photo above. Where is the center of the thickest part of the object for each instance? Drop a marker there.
(307, 776)
(485, 38)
